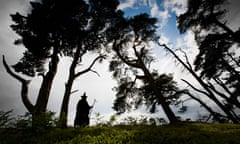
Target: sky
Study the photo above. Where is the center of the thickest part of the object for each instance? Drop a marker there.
(100, 87)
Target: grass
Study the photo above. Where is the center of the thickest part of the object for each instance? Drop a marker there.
(190, 133)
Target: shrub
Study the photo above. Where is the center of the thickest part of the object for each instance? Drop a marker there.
(5, 118)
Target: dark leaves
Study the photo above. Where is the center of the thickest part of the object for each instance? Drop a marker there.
(30, 64)
(200, 13)
(212, 54)
(130, 95)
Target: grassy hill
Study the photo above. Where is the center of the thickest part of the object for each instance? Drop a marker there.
(191, 133)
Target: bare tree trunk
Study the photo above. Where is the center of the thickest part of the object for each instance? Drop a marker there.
(171, 116)
(39, 115)
(65, 102)
(68, 88)
(24, 95)
(43, 96)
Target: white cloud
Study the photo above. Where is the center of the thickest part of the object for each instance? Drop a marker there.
(187, 41)
(163, 39)
(154, 10)
(162, 15)
(176, 6)
(168, 64)
(160, 11)
(10, 88)
(188, 44)
(233, 14)
(127, 4)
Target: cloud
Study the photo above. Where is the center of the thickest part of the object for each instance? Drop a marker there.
(163, 11)
(187, 41)
(233, 14)
(162, 15)
(188, 44)
(176, 6)
(164, 39)
(10, 88)
(127, 4)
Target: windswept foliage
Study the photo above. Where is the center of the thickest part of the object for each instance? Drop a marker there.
(204, 13)
(218, 57)
(132, 94)
(131, 65)
(49, 28)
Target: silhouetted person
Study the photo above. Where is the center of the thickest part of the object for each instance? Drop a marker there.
(82, 115)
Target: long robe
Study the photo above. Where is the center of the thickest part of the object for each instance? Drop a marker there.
(82, 115)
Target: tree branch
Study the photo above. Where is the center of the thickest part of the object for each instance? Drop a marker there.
(130, 63)
(228, 30)
(219, 82)
(72, 92)
(215, 115)
(141, 77)
(11, 72)
(209, 93)
(230, 99)
(90, 67)
(173, 53)
(187, 60)
(233, 59)
(198, 90)
(95, 72)
(211, 86)
(24, 91)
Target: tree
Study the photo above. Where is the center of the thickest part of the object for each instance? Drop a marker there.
(100, 13)
(46, 32)
(132, 94)
(217, 59)
(217, 56)
(207, 89)
(130, 43)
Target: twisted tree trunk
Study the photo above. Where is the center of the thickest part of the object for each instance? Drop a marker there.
(38, 110)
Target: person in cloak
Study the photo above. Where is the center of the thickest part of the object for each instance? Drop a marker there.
(82, 115)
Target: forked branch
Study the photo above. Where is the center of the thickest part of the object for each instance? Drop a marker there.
(90, 66)
(24, 91)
